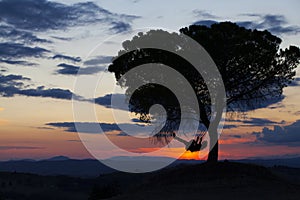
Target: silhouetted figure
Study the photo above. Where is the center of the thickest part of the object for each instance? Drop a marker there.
(193, 145)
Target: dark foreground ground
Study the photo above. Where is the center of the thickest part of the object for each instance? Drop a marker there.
(224, 180)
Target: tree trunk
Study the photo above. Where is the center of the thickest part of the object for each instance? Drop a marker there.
(212, 128)
(213, 154)
(214, 142)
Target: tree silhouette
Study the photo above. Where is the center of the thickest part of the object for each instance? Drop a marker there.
(253, 67)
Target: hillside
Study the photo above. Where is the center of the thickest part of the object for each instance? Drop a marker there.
(225, 180)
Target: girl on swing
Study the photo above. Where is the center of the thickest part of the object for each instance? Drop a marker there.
(193, 145)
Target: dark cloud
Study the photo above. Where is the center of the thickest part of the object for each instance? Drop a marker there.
(10, 33)
(207, 23)
(17, 62)
(259, 122)
(69, 58)
(44, 128)
(56, 93)
(43, 15)
(229, 126)
(137, 120)
(89, 127)
(11, 79)
(67, 69)
(19, 148)
(280, 135)
(99, 60)
(9, 52)
(204, 14)
(276, 24)
(11, 85)
(122, 134)
(74, 141)
(269, 101)
(236, 136)
(119, 27)
(22, 20)
(62, 38)
(16, 50)
(86, 127)
(120, 101)
(254, 122)
(104, 101)
(3, 70)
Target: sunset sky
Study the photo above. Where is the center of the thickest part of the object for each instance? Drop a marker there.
(44, 43)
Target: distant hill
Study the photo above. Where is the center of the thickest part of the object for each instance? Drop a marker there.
(58, 166)
(58, 158)
(288, 162)
(62, 165)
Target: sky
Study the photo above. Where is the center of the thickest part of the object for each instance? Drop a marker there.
(43, 44)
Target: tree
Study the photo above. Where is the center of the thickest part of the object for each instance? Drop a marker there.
(253, 67)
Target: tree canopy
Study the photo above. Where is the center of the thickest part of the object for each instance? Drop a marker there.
(253, 67)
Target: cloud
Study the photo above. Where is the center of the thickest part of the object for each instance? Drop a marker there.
(259, 122)
(254, 122)
(69, 58)
(207, 23)
(46, 15)
(17, 62)
(204, 14)
(44, 128)
(10, 33)
(119, 101)
(90, 127)
(119, 27)
(67, 69)
(9, 52)
(86, 127)
(268, 102)
(11, 78)
(62, 38)
(235, 136)
(229, 126)
(276, 24)
(21, 21)
(16, 50)
(11, 85)
(19, 148)
(280, 135)
(56, 93)
(3, 69)
(98, 60)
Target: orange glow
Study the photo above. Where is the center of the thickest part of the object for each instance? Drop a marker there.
(190, 156)
(235, 141)
(33, 143)
(3, 122)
